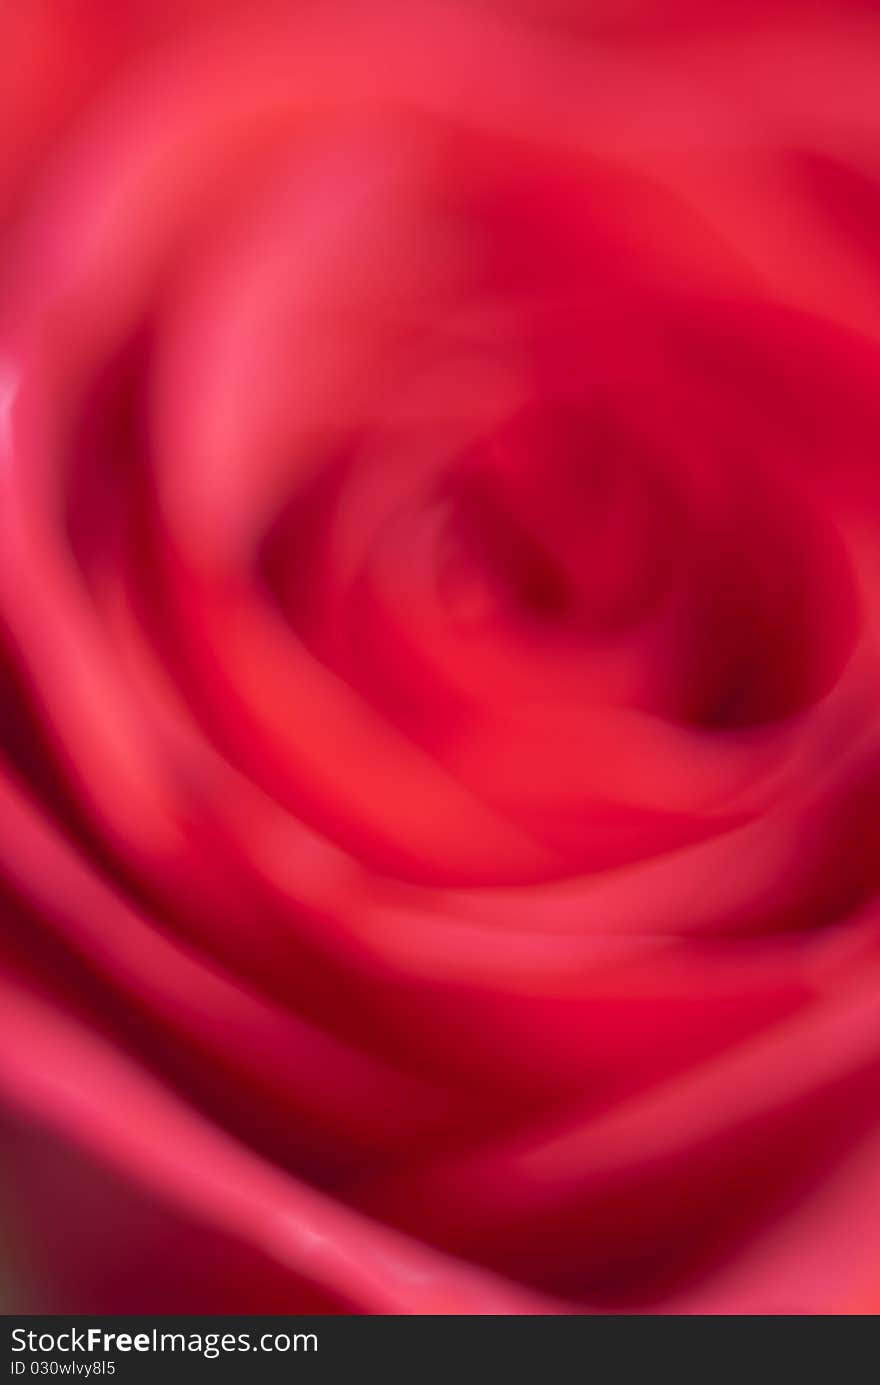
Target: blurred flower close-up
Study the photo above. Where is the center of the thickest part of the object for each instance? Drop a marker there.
(440, 657)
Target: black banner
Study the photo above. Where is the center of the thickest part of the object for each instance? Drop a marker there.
(150, 1349)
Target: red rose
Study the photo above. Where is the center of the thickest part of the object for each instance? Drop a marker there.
(439, 630)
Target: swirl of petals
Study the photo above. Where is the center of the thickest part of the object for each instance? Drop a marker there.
(439, 598)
